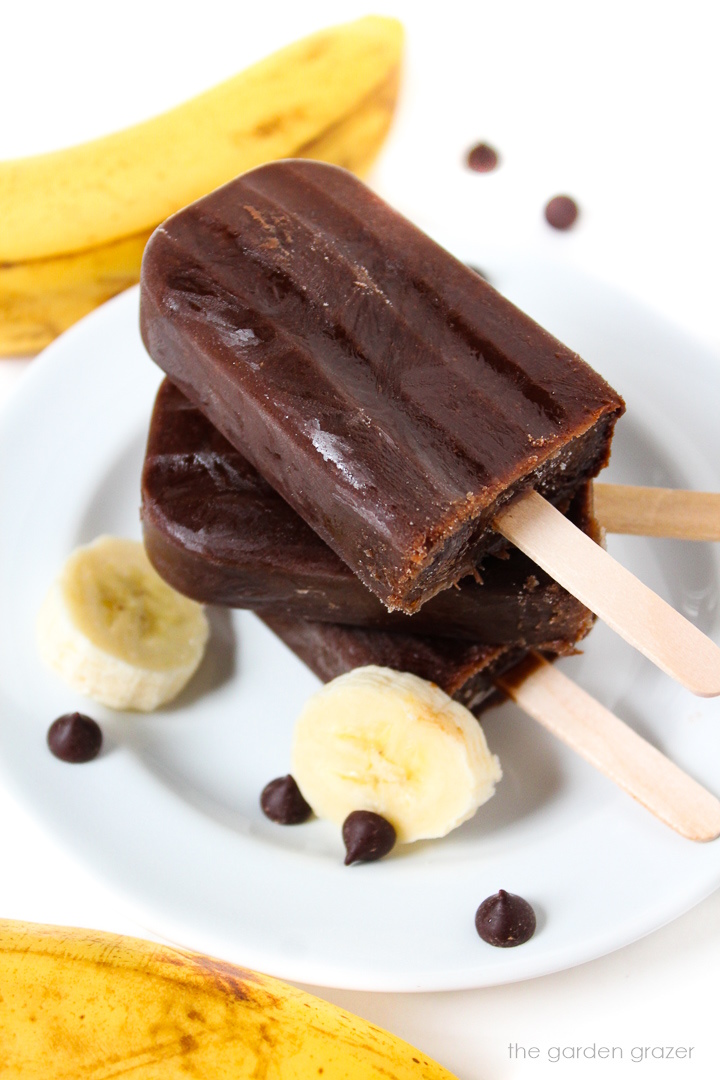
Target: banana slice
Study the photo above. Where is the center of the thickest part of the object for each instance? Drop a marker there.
(112, 628)
(390, 742)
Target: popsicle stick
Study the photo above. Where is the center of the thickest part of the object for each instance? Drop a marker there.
(654, 511)
(598, 736)
(616, 596)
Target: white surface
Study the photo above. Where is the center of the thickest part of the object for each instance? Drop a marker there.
(617, 106)
(169, 814)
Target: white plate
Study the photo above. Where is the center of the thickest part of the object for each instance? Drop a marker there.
(169, 814)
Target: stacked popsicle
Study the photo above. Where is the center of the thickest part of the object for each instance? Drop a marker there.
(218, 532)
(356, 427)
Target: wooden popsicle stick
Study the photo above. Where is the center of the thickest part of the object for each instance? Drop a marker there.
(616, 596)
(598, 736)
(651, 511)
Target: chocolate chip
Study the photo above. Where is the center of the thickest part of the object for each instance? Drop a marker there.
(482, 158)
(282, 801)
(561, 212)
(367, 836)
(74, 738)
(505, 920)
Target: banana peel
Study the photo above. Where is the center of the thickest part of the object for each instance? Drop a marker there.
(118, 185)
(75, 222)
(82, 1004)
(41, 299)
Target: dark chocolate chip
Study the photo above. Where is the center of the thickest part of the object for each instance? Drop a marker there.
(482, 158)
(74, 738)
(561, 212)
(282, 801)
(505, 920)
(367, 836)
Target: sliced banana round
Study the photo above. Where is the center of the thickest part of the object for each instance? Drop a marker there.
(115, 631)
(382, 740)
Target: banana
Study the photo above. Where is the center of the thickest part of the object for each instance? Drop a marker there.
(85, 1004)
(125, 183)
(113, 629)
(390, 742)
(41, 298)
(38, 300)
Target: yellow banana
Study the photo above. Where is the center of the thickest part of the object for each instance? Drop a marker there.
(41, 298)
(44, 293)
(85, 1005)
(127, 182)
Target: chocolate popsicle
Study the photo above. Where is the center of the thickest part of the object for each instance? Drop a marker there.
(463, 670)
(216, 531)
(386, 391)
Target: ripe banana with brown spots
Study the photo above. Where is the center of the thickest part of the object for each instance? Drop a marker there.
(81, 1004)
(75, 221)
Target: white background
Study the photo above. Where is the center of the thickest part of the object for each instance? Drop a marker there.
(614, 103)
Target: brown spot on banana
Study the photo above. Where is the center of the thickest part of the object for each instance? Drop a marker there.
(85, 1004)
